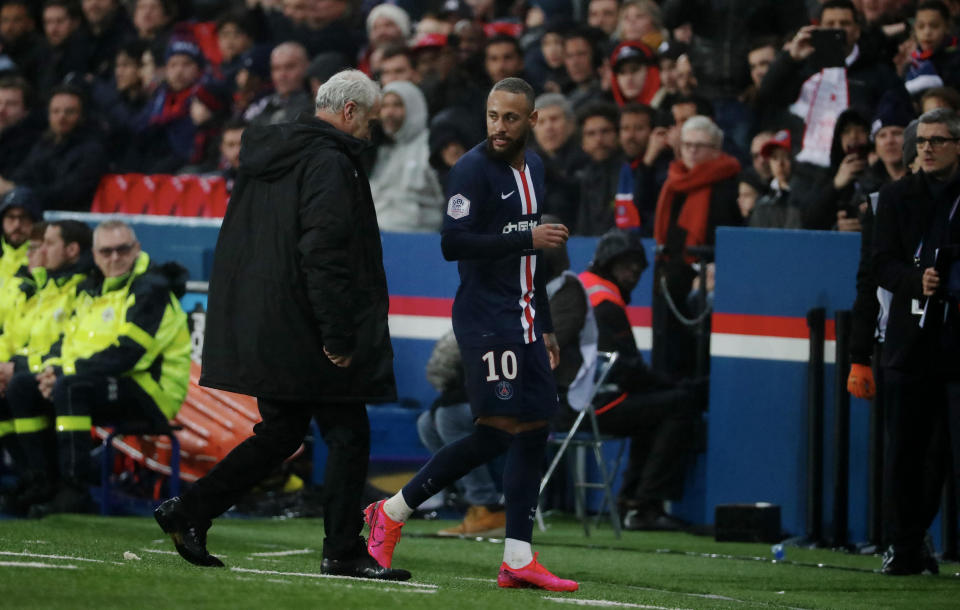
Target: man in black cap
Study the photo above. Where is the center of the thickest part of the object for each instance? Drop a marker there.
(656, 414)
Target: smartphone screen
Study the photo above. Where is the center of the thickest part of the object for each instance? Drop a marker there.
(829, 47)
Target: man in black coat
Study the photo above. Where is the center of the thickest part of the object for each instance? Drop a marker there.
(65, 165)
(916, 217)
(297, 317)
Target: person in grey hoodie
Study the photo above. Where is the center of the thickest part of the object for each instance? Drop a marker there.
(406, 190)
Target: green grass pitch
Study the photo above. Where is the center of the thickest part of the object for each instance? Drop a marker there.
(74, 561)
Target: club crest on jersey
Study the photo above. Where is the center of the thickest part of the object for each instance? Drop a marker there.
(523, 225)
(458, 206)
(504, 390)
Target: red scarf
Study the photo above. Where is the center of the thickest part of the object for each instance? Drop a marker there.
(176, 105)
(949, 44)
(697, 185)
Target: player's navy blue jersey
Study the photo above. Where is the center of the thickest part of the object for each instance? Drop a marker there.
(491, 210)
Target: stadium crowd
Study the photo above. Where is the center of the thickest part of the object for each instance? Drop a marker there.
(663, 119)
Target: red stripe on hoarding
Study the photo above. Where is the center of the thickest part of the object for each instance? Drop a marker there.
(767, 326)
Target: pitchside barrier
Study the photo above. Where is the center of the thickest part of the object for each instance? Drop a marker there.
(757, 424)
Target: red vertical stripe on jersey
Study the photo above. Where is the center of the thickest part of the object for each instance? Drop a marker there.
(526, 309)
(527, 207)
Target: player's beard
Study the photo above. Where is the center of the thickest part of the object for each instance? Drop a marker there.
(514, 147)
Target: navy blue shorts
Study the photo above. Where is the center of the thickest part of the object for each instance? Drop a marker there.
(510, 380)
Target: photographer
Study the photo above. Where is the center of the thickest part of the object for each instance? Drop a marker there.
(837, 204)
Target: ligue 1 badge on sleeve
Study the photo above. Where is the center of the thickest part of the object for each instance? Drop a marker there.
(458, 206)
(504, 390)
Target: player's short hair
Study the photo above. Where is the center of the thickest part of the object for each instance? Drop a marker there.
(555, 100)
(512, 84)
(347, 86)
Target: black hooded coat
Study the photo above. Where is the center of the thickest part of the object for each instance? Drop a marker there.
(298, 267)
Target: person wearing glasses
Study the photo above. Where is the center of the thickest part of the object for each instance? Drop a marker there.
(699, 195)
(916, 241)
(124, 355)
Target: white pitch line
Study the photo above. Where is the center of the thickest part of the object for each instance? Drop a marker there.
(159, 552)
(36, 542)
(604, 603)
(477, 579)
(709, 596)
(282, 553)
(38, 555)
(35, 564)
(334, 577)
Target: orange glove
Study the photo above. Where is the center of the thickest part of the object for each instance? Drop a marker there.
(860, 382)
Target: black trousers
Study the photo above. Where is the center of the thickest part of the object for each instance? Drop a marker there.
(923, 448)
(661, 425)
(77, 402)
(346, 431)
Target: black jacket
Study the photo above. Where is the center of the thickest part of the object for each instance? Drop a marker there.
(598, 183)
(64, 174)
(866, 307)
(16, 139)
(907, 213)
(298, 267)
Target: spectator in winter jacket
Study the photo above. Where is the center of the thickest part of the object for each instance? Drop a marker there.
(235, 36)
(165, 143)
(64, 167)
(636, 124)
(18, 36)
(288, 70)
(405, 188)
(774, 209)
(599, 177)
(107, 28)
(936, 61)
(121, 102)
(557, 145)
(66, 50)
(19, 125)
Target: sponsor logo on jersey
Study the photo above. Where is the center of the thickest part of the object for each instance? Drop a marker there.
(523, 225)
(458, 206)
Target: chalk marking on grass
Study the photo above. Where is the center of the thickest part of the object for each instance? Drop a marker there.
(282, 553)
(35, 564)
(40, 556)
(476, 579)
(709, 596)
(415, 585)
(604, 603)
(163, 552)
(348, 585)
(36, 542)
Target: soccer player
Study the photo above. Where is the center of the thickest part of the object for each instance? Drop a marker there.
(501, 318)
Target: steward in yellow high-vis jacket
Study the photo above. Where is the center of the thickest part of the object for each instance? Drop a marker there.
(125, 355)
(60, 259)
(19, 210)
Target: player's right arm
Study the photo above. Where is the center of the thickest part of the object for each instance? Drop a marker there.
(468, 190)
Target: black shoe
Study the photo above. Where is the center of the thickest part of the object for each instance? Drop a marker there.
(362, 567)
(30, 490)
(901, 562)
(652, 520)
(189, 536)
(70, 498)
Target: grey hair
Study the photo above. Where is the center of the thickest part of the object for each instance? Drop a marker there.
(943, 115)
(113, 225)
(347, 86)
(551, 100)
(516, 85)
(704, 124)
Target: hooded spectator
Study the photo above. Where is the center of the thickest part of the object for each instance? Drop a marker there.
(64, 167)
(448, 142)
(636, 73)
(288, 71)
(405, 188)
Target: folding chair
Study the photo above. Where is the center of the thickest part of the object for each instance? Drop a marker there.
(580, 442)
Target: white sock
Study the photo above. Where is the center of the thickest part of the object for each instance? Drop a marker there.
(516, 553)
(397, 508)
